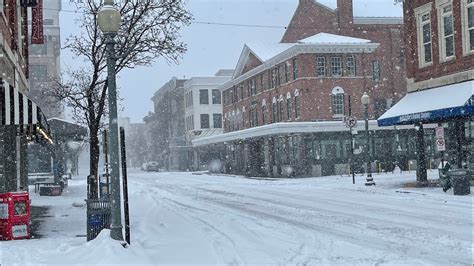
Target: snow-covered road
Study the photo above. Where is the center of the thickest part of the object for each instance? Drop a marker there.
(185, 218)
(233, 220)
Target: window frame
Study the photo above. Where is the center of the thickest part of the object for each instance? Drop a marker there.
(289, 114)
(442, 37)
(335, 67)
(321, 68)
(466, 45)
(201, 121)
(214, 115)
(217, 98)
(297, 105)
(376, 71)
(295, 68)
(420, 12)
(351, 70)
(338, 108)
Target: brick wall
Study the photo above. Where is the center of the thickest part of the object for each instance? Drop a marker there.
(315, 92)
(438, 68)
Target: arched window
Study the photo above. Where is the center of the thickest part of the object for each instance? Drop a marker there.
(264, 112)
(280, 109)
(337, 100)
(288, 106)
(274, 110)
(297, 104)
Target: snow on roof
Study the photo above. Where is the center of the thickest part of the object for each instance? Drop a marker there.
(327, 38)
(285, 128)
(265, 51)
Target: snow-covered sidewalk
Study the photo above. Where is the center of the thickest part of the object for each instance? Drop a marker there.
(182, 218)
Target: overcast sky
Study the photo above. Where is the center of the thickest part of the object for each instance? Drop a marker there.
(212, 47)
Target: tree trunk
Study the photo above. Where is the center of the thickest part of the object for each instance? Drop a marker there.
(94, 161)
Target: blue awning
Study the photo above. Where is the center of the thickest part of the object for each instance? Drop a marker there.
(432, 105)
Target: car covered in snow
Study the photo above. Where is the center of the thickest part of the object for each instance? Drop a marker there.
(150, 167)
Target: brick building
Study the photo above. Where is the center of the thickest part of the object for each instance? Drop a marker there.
(165, 129)
(286, 101)
(440, 73)
(20, 118)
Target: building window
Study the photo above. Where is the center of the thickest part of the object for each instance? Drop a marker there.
(255, 117)
(216, 96)
(279, 75)
(262, 85)
(39, 73)
(38, 49)
(336, 66)
(321, 66)
(446, 40)
(337, 100)
(253, 86)
(297, 104)
(264, 113)
(424, 37)
(273, 77)
(203, 96)
(351, 66)
(288, 107)
(280, 108)
(217, 120)
(287, 72)
(295, 69)
(274, 110)
(467, 22)
(375, 71)
(204, 121)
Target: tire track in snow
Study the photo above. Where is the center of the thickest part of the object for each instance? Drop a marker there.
(403, 249)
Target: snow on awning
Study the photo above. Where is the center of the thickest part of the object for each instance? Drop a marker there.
(285, 128)
(432, 105)
(17, 109)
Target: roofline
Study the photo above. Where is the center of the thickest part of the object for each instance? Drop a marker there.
(299, 48)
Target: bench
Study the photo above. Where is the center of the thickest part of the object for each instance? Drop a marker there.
(43, 183)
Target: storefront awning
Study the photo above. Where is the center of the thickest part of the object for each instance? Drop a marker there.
(285, 128)
(17, 109)
(432, 105)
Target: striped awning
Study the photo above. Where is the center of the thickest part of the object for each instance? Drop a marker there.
(17, 109)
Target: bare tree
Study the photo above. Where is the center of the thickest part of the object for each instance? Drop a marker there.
(150, 30)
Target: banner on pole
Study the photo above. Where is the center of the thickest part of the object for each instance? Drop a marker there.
(37, 34)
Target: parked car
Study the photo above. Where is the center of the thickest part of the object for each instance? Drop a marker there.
(150, 167)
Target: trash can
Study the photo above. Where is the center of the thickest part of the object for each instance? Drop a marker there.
(459, 179)
(98, 216)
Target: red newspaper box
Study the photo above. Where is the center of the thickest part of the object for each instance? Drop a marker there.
(14, 215)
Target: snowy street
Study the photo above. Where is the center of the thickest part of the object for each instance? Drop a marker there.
(184, 218)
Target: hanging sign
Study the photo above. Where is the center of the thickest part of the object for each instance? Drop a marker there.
(37, 36)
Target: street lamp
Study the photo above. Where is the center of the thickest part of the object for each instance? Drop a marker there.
(365, 100)
(108, 20)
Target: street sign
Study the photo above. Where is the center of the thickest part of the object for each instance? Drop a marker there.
(440, 145)
(439, 133)
(351, 122)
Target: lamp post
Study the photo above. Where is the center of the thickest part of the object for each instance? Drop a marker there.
(108, 20)
(365, 100)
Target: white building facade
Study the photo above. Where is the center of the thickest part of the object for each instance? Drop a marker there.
(203, 105)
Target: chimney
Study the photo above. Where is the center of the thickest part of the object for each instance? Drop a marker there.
(345, 13)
